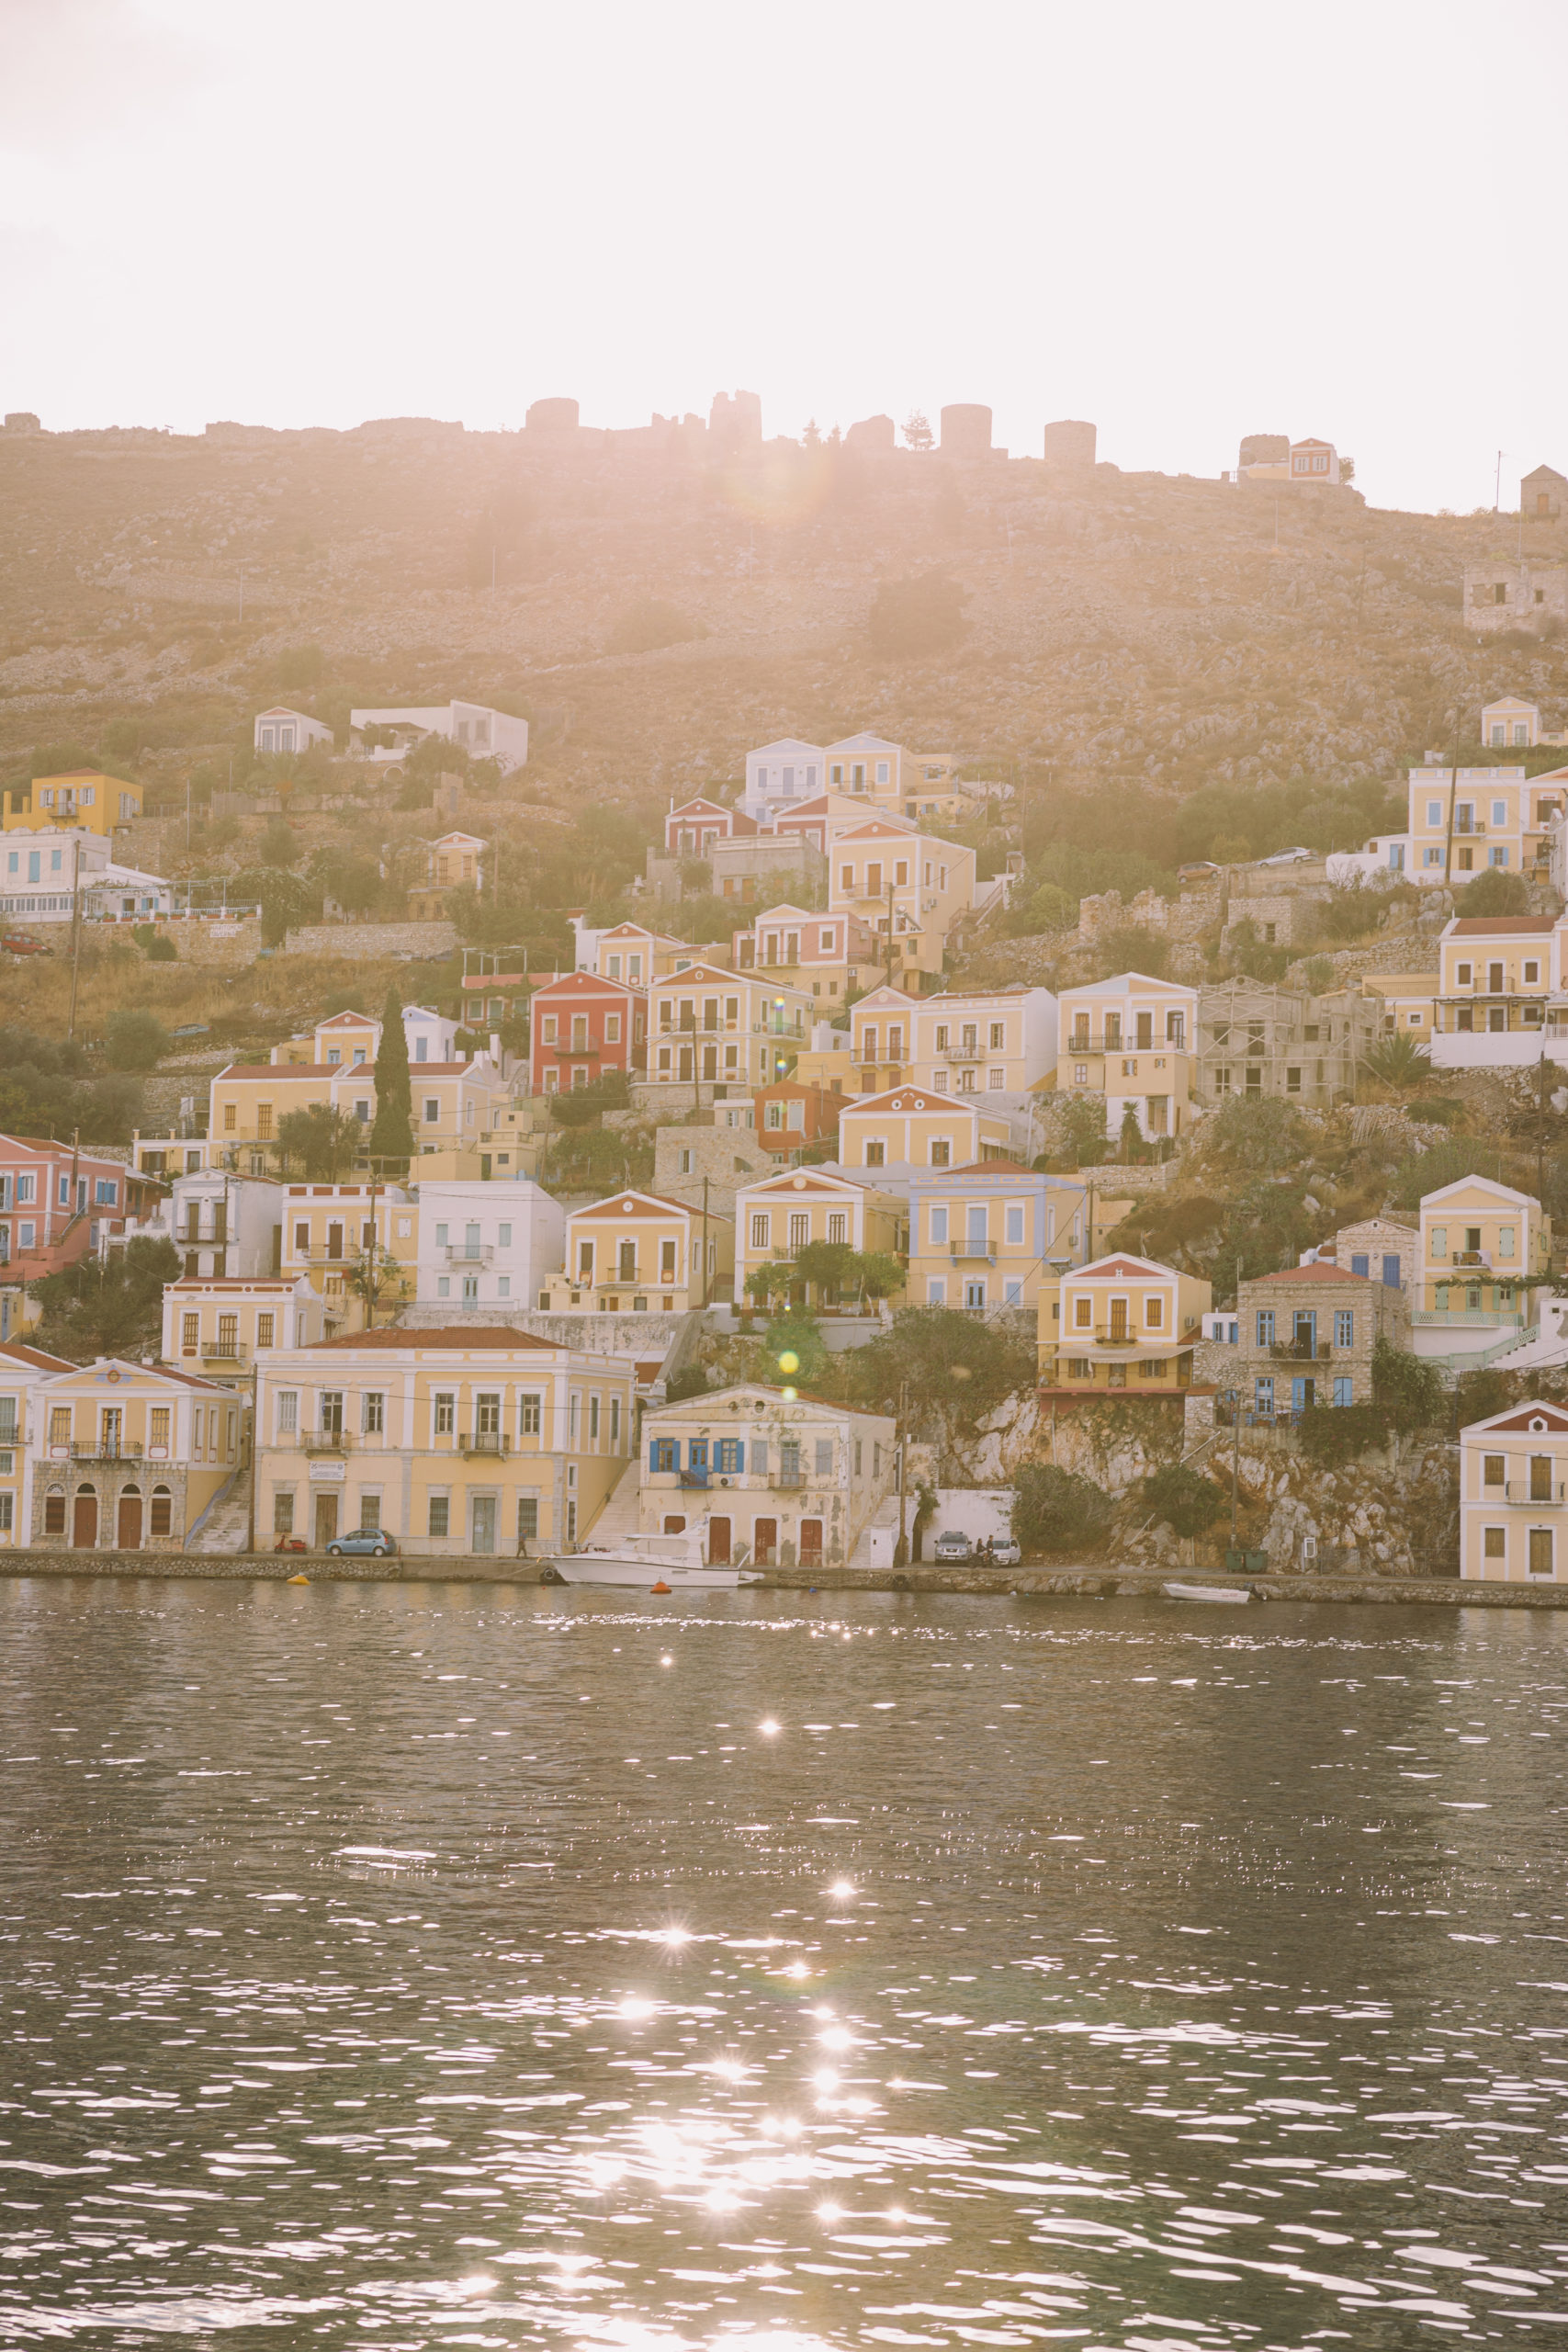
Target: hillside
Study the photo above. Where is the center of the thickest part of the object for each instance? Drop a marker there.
(1118, 627)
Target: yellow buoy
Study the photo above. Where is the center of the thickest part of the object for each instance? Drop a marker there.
(298, 1579)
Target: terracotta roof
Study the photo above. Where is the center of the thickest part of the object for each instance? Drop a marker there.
(234, 1281)
(987, 1168)
(1316, 1272)
(488, 1336)
(35, 1356)
(1473, 926)
(611, 1207)
(1522, 1416)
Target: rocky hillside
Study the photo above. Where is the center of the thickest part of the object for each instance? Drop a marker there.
(1114, 625)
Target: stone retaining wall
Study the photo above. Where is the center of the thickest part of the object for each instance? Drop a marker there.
(370, 942)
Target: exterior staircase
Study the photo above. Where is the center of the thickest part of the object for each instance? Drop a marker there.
(224, 1525)
(619, 1516)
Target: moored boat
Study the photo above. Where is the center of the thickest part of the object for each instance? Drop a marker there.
(1207, 1591)
(644, 1561)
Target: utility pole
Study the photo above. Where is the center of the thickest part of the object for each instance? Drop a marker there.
(891, 934)
(902, 1441)
(76, 929)
(1498, 486)
(705, 1244)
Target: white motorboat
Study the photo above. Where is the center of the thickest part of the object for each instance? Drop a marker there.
(644, 1561)
(1207, 1591)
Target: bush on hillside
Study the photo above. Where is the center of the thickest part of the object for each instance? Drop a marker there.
(1055, 1510)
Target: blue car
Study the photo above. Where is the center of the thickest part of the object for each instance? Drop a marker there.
(366, 1543)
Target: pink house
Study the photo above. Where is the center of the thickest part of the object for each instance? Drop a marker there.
(54, 1202)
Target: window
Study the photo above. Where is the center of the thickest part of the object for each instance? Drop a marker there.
(664, 1455)
(1265, 1326)
(1344, 1327)
(440, 1515)
(594, 1418)
(1293, 1081)
(445, 1412)
(103, 1192)
(190, 1327)
(611, 1028)
(373, 1413)
(1492, 1470)
(1083, 1313)
(231, 1118)
(1532, 975)
(431, 1111)
(1263, 1393)
(761, 1230)
(1505, 1241)
(1440, 1241)
(730, 1456)
(941, 1154)
(999, 1032)
(936, 1291)
(875, 1152)
(55, 1512)
(1495, 1544)
(1499, 812)
(26, 1188)
(162, 1517)
(1153, 1314)
(1014, 1225)
(528, 1517)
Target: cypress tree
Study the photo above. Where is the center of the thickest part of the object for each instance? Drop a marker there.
(391, 1136)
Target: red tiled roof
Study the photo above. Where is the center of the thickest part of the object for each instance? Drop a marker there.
(399, 1336)
(35, 1356)
(1473, 926)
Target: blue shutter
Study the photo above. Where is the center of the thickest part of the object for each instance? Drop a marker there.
(1362, 1264)
(653, 1453)
(1390, 1274)
(1344, 1392)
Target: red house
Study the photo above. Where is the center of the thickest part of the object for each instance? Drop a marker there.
(692, 830)
(789, 1116)
(582, 1026)
(54, 1201)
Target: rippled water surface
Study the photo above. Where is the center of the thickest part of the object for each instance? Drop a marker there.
(415, 1966)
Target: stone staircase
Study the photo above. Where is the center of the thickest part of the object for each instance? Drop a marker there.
(224, 1525)
(619, 1516)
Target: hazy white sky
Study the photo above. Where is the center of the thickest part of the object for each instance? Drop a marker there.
(1185, 223)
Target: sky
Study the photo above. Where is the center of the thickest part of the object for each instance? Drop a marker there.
(1181, 222)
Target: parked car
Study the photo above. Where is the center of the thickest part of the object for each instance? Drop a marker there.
(1006, 1551)
(18, 942)
(366, 1543)
(954, 1545)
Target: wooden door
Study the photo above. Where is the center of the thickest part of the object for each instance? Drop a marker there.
(765, 1542)
(128, 1534)
(810, 1542)
(326, 1520)
(718, 1543)
(1117, 1319)
(84, 1520)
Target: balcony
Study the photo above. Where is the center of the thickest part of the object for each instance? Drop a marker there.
(480, 1444)
(696, 1476)
(978, 1250)
(101, 1450)
(324, 1441)
(972, 1051)
(1471, 1258)
(226, 1353)
(1522, 1495)
(790, 1478)
(1302, 1351)
(468, 1253)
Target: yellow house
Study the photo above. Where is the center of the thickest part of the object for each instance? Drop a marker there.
(829, 1067)
(707, 1027)
(219, 1324)
(23, 1370)
(881, 1039)
(1131, 1039)
(85, 798)
(481, 1440)
(358, 1245)
(628, 952)
(778, 1216)
(865, 766)
(1407, 1002)
(907, 1127)
(1480, 1241)
(131, 1454)
(992, 1041)
(990, 1234)
(638, 1253)
(912, 886)
(826, 956)
(1121, 1324)
(1464, 821)
(1494, 974)
(455, 1104)
(1513, 1497)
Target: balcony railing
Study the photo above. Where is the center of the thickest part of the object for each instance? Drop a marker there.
(469, 1253)
(1522, 1495)
(1471, 1258)
(1302, 1351)
(697, 1477)
(231, 1352)
(978, 1248)
(970, 1051)
(491, 1442)
(103, 1449)
(325, 1441)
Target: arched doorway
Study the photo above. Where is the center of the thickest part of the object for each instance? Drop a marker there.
(84, 1519)
(128, 1534)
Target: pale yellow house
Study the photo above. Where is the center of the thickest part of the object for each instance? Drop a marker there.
(1121, 1324)
(128, 1455)
(824, 955)
(1513, 1497)
(479, 1439)
(1466, 821)
(636, 956)
(454, 1104)
(1131, 1039)
(881, 1039)
(358, 1245)
(907, 1127)
(780, 1215)
(23, 1370)
(991, 1234)
(219, 1324)
(638, 1253)
(913, 886)
(1480, 1242)
(1407, 1000)
(709, 1026)
(1494, 974)
(986, 1041)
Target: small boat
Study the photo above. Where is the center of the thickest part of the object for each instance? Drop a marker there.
(1208, 1591)
(647, 1561)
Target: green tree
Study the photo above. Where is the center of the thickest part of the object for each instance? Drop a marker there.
(1183, 1498)
(1409, 1389)
(1254, 1135)
(1400, 1062)
(110, 1306)
(1131, 948)
(278, 845)
(136, 1038)
(325, 1143)
(942, 1359)
(1445, 1164)
(1478, 1395)
(1332, 1435)
(1055, 1510)
(794, 1333)
(1494, 891)
(1080, 1119)
(391, 1135)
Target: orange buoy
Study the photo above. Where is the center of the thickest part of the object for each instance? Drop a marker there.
(298, 1579)
(661, 1586)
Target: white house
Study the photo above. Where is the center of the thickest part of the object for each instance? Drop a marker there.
(225, 1226)
(486, 1245)
(787, 771)
(281, 729)
(764, 1474)
(484, 733)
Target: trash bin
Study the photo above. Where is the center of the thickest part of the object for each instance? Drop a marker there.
(1257, 1563)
